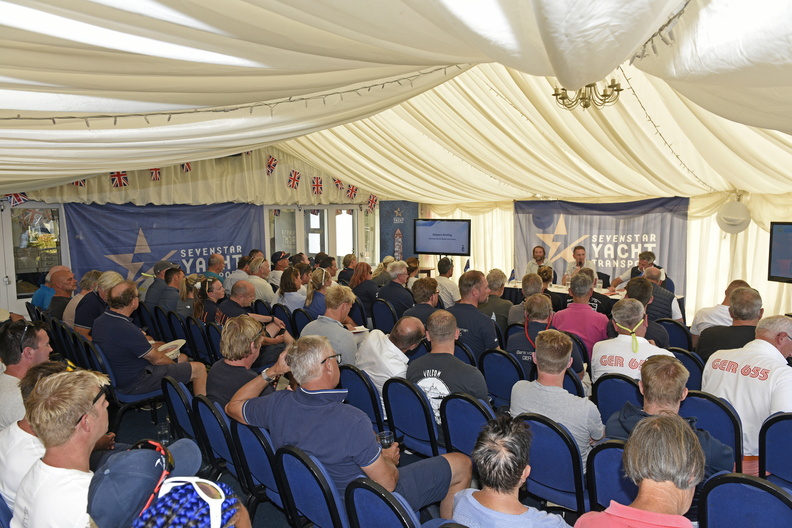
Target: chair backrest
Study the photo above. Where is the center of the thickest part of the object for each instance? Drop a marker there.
(196, 336)
(358, 312)
(5, 515)
(463, 352)
(65, 340)
(605, 477)
(362, 394)
(211, 424)
(669, 285)
(556, 465)
(693, 363)
(301, 318)
(736, 501)
(514, 328)
(500, 336)
(257, 461)
(422, 349)
(678, 334)
(462, 417)
(383, 315)
(178, 330)
(179, 403)
(309, 492)
(773, 445)
(718, 418)
(501, 371)
(78, 346)
(161, 316)
(411, 416)
(611, 391)
(214, 333)
(572, 383)
(282, 312)
(577, 344)
(149, 323)
(261, 308)
(31, 310)
(605, 278)
(369, 504)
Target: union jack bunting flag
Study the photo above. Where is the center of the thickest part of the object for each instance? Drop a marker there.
(156, 174)
(294, 179)
(316, 186)
(119, 179)
(186, 167)
(372, 202)
(351, 192)
(276, 212)
(271, 164)
(17, 198)
(339, 184)
(79, 183)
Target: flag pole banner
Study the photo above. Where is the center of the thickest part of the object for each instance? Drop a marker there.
(397, 228)
(130, 239)
(613, 234)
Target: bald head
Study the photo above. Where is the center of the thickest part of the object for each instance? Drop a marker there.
(63, 282)
(407, 333)
(54, 269)
(243, 293)
(653, 274)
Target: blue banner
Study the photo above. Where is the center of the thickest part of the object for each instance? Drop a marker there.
(397, 229)
(130, 239)
(613, 234)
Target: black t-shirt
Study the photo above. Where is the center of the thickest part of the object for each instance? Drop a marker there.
(717, 338)
(225, 380)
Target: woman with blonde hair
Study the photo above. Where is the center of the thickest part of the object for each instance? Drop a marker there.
(315, 300)
(380, 275)
(187, 290)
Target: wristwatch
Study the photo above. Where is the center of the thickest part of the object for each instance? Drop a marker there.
(266, 377)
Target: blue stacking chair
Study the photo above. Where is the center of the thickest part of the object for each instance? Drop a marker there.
(261, 308)
(212, 428)
(5, 511)
(693, 363)
(161, 316)
(462, 351)
(577, 344)
(462, 417)
(383, 315)
(369, 504)
(308, 489)
(717, 417)
(214, 333)
(605, 477)
(358, 313)
(514, 328)
(572, 383)
(501, 371)
(611, 391)
(196, 336)
(149, 323)
(678, 334)
(411, 417)
(775, 464)
(301, 317)
(422, 349)
(556, 465)
(283, 313)
(178, 330)
(736, 501)
(178, 400)
(362, 394)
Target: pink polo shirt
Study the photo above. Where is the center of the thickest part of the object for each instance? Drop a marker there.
(582, 320)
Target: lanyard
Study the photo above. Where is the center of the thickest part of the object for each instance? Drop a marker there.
(632, 333)
(525, 326)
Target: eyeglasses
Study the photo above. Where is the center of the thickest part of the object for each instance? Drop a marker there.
(336, 356)
(209, 491)
(167, 466)
(103, 390)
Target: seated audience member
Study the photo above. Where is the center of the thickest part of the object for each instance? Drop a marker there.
(241, 273)
(279, 262)
(539, 316)
(664, 305)
(625, 353)
(304, 271)
(94, 304)
(255, 253)
(22, 346)
(329, 263)
(664, 459)
(646, 259)
(169, 299)
(299, 258)
(339, 301)
(154, 291)
(43, 296)
(139, 366)
(259, 271)
(187, 289)
(546, 274)
(318, 258)
(396, 292)
(315, 299)
(363, 286)
(413, 267)
(215, 267)
(662, 384)
(578, 263)
(289, 293)
(531, 285)
(494, 305)
(537, 260)
(745, 308)
(240, 346)
(640, 289)
(476, 330)
(440, 372)
(548, 397)
(315, 419)
(579, 318)
(210, 292)
(68, 412)
(425, 294)
(717, 315)
(501, 455)
(63, 284)
(87, 285)
(449, 291)
(766, 388)
(383, 357)
(380, 275)
(598, 302)
(345, 275)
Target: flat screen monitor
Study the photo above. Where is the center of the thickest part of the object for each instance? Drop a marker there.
(780, 261)
(442, 237)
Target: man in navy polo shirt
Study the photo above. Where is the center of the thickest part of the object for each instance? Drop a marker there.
(94, 303)
(395, 291)
(138, 364)
(315, 419)
(476, 330)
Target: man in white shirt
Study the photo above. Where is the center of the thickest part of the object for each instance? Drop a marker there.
(449, 290)
(755, 379)
(717, 315)
(22, 345)
(241, 273)
(625, 353)
(385, 356)
(579, 262)
(646, 259)
(259, 271)
(537, 260)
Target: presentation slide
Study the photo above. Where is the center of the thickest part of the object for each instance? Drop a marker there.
(442, 237)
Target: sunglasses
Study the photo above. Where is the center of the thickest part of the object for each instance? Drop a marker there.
(103, 390)
(209, 491)
(167, 466)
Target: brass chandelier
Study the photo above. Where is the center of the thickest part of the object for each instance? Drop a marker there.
(588, 95)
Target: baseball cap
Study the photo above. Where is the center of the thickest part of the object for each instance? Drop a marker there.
(279, 255)
(163, 265)
(121, 487)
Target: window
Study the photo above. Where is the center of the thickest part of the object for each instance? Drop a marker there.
(37, 246)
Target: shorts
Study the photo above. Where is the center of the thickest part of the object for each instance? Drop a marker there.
(424, 482)
(153, 374)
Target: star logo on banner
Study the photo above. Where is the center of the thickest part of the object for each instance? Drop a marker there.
(398, 212)
(549, 239)
(127, 260)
